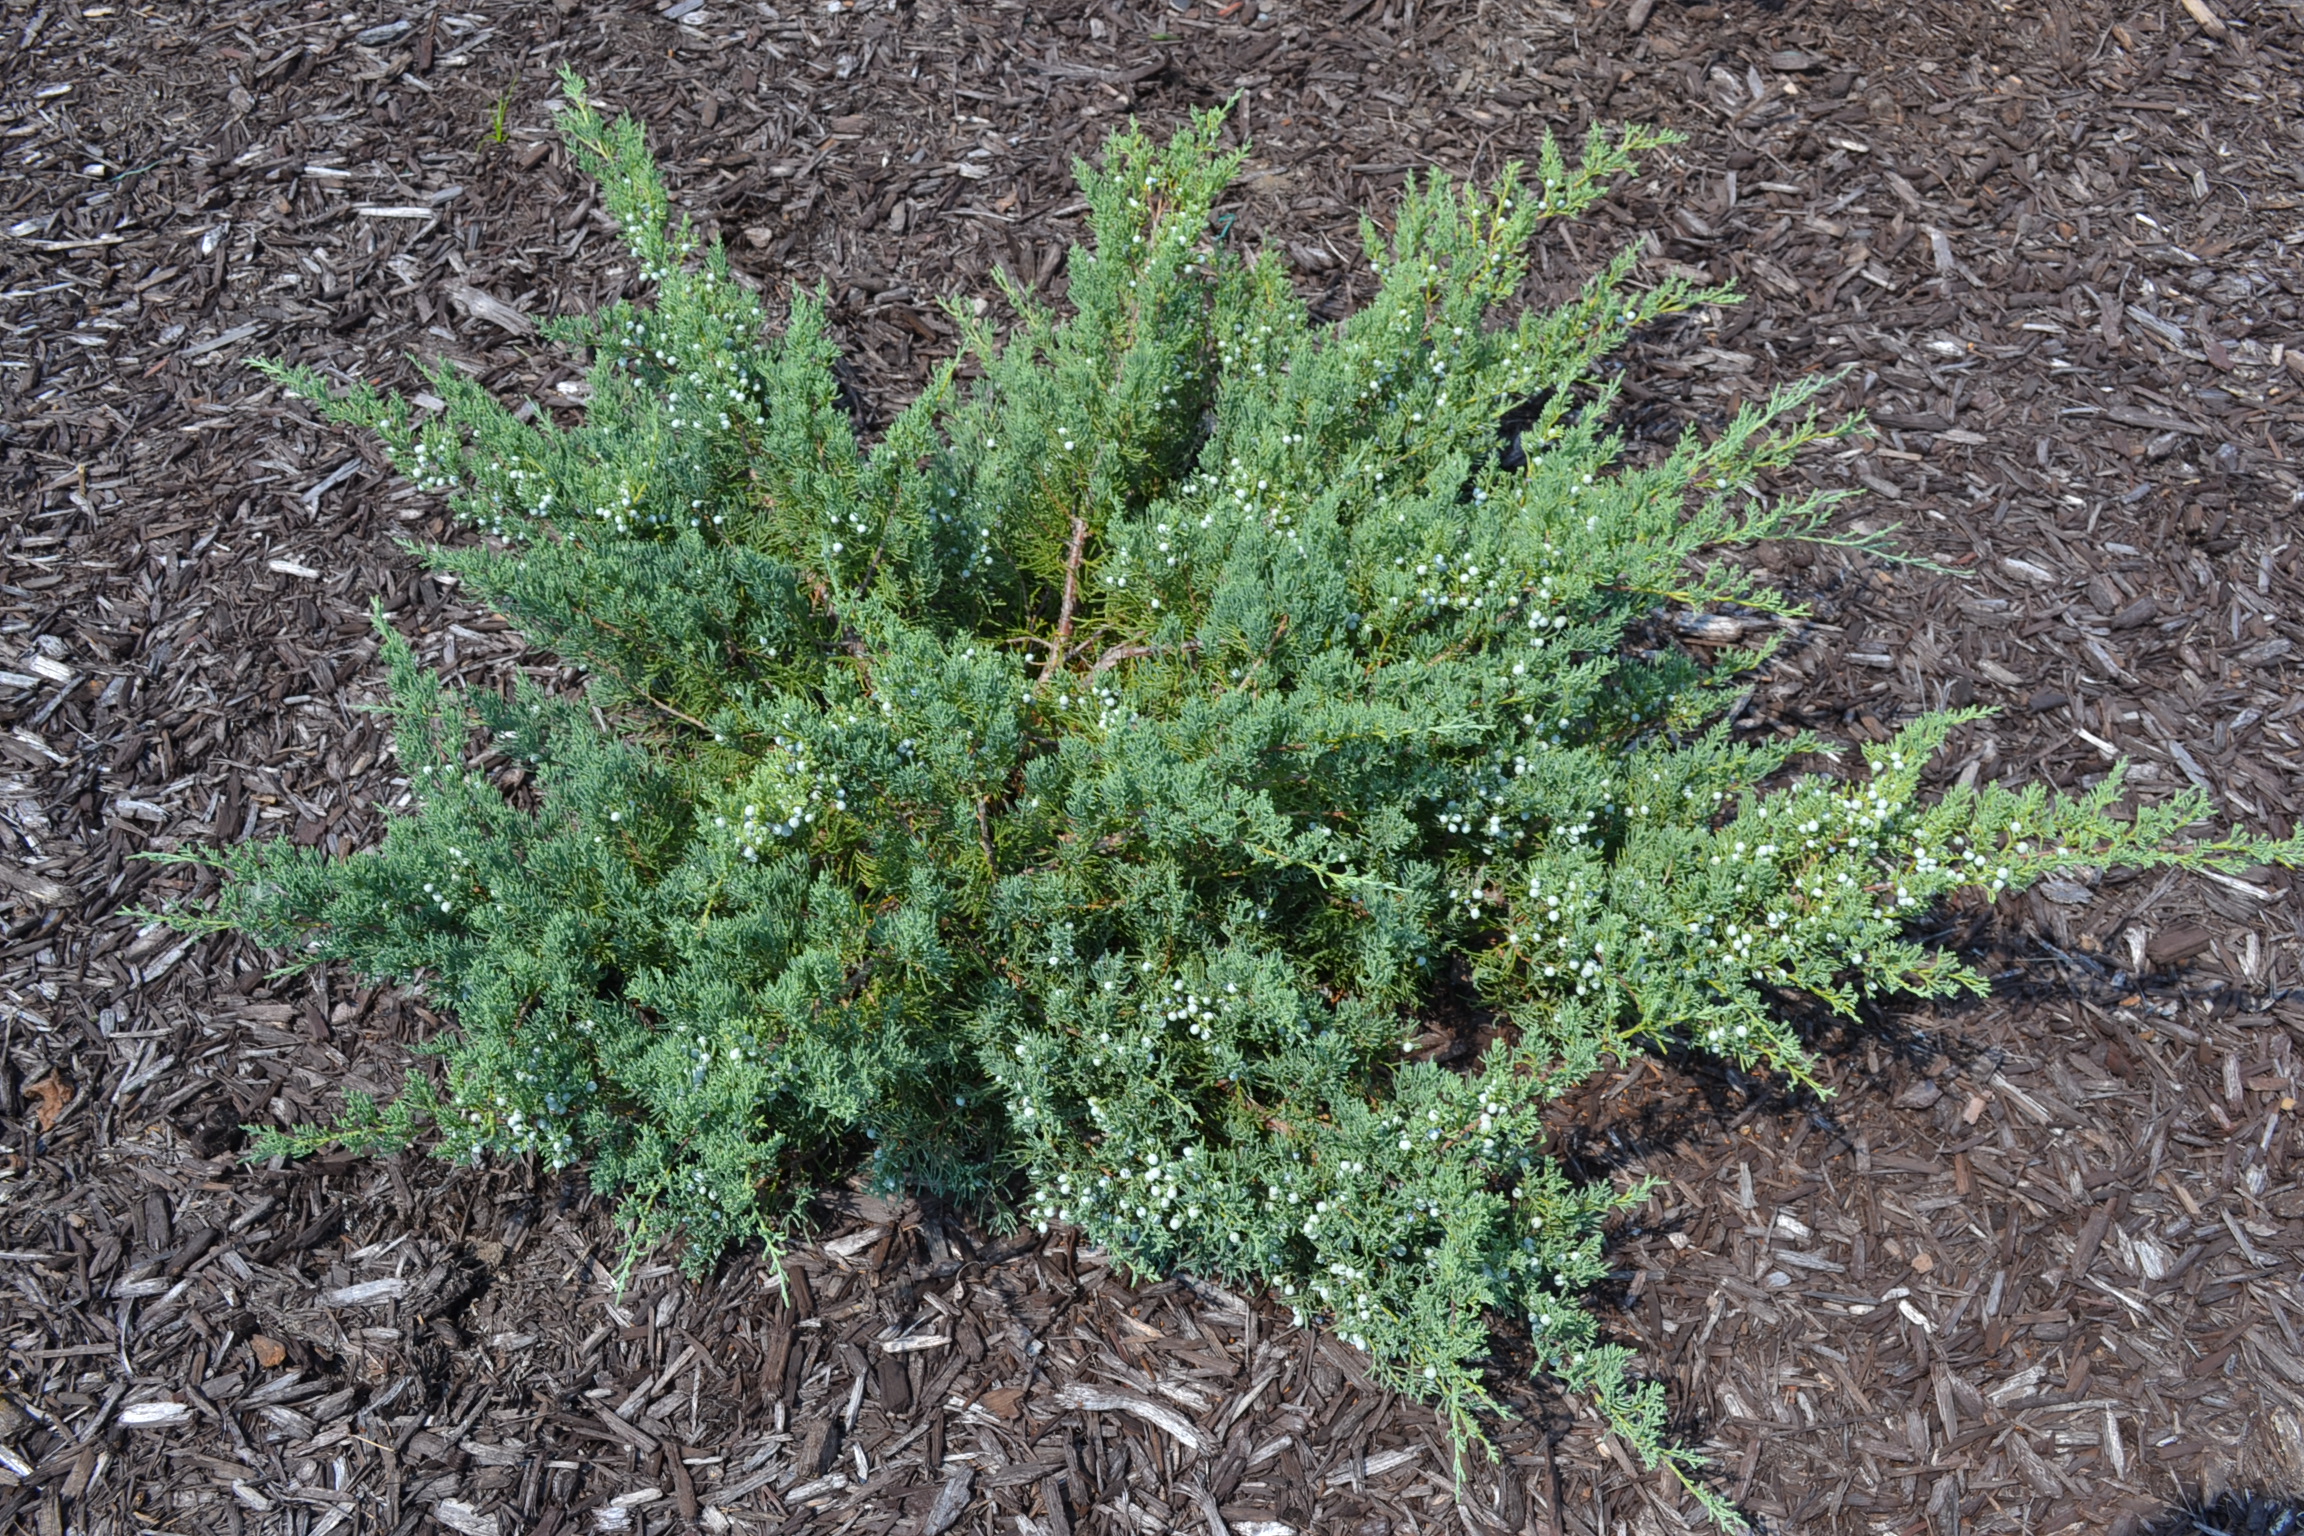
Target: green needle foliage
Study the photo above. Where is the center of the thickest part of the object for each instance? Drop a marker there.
(1072, 803)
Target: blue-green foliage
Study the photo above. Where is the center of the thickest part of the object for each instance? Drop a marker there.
(1077, 798)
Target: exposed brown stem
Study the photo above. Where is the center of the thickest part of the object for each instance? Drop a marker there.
(1072, 559)
(1118, 654)
(1125, 652)
(675, 712)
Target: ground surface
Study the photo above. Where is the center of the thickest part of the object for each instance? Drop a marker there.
(2035, 1269)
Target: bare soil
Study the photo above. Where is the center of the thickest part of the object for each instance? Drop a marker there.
(2033, 1268)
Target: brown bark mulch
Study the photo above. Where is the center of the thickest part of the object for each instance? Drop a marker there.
(2035, 1268)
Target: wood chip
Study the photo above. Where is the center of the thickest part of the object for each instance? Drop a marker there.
(2210, 23)
(486, 306)
(366, 1293)
(950, 1503)
(1105, 1400)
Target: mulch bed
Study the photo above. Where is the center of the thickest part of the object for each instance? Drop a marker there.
(2035, 1268)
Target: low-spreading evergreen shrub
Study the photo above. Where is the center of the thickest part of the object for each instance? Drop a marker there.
(1078, 802)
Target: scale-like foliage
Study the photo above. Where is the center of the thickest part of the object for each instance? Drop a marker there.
(1074, 803)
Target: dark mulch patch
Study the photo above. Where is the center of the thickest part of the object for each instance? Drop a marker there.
(2235, 1514)
(2034, 1269)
